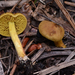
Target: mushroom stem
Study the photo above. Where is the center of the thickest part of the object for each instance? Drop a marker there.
(60, 44)
(15, 39)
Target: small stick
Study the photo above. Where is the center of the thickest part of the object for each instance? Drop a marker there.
(31, 34)
(70, 56)
(67, 59)
(53, 53)
(13, 69)
(33, 4)
(56, 71)
(3, 64)
(61, 13)
(71, 10)
(69, 3)
(54, 68)
(21, 35)
(15, 6)
(28, 46)
(37, 55)
(4, 57)
(66, 13)
(31, 53)
(69, 48)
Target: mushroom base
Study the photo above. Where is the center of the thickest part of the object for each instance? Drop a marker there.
(27, 67)
(60, 44)
(25, 58)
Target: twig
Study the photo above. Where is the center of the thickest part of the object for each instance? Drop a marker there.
(15, 6)
(3, 64)
(31, 53)
(9, 64)
(56, 64)
(37, 55)
(69, 3)
(45, 17)
(54, 68)
(4, 57)
(33, 4)
(31, 34)
(13, 69)
(28, 46)
(69, 48)
(21, 35)
(61, 14)
(67, 59)
(70, 56)
(71, 10)
(53, 53)
(65, 12)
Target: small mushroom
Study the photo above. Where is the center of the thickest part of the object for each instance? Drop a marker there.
(52, 32)
(25, 42)
(34, 47)
(11, 25)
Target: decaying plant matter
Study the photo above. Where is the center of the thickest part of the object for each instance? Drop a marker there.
(42, 26)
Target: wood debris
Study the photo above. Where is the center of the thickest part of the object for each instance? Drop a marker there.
(48, 59)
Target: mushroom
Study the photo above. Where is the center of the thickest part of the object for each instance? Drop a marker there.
(34, 47)
(25, 42)
(12, 25)
(52, 32)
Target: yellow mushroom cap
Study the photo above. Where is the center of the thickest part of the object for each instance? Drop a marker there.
(51, 31)
(19, 20)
